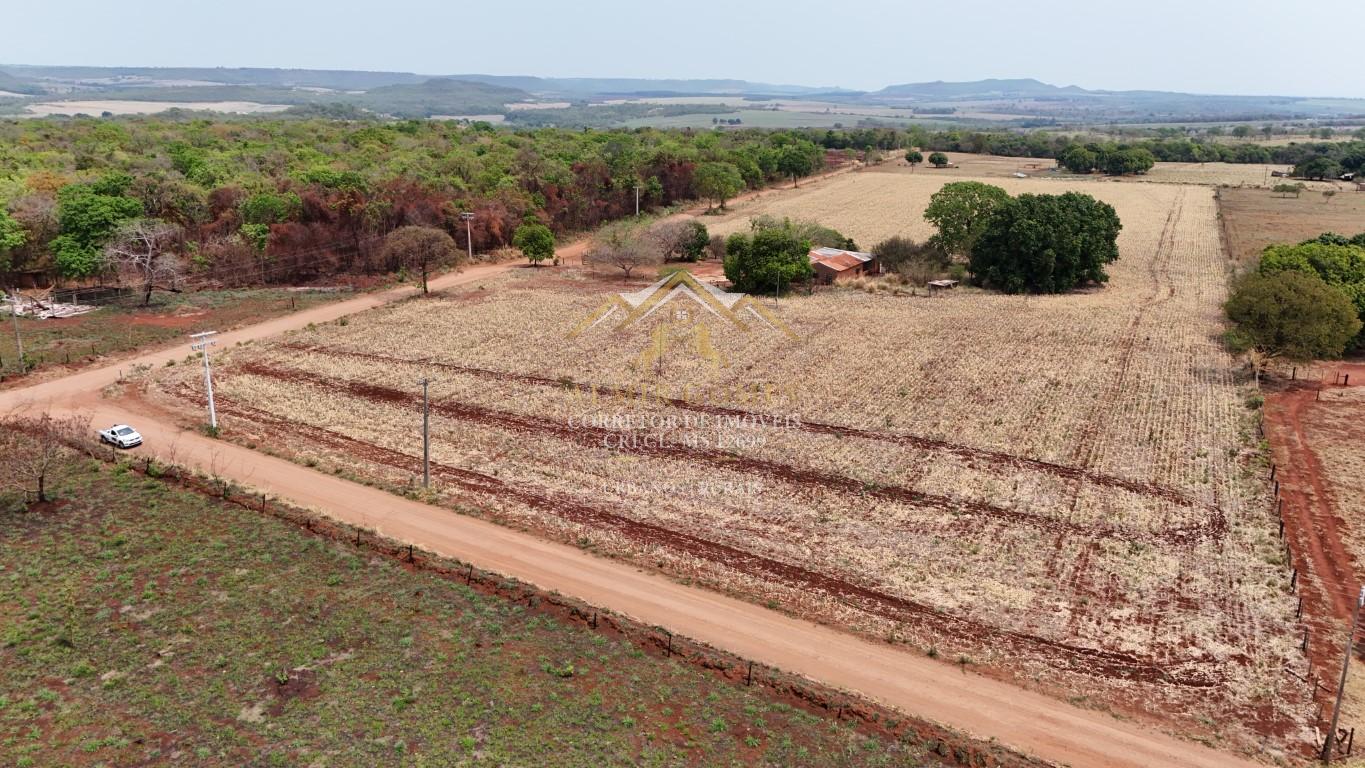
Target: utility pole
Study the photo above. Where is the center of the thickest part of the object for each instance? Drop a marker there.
(468, 217)
(426, 436)
(18, 340)
(637, 201)
(201, 343)
(1328, 743)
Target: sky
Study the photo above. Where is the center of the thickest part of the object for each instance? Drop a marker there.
(1196, 46)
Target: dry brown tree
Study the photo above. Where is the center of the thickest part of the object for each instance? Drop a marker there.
(422, 249)
(143, 251)
(624, 246)
(36, 451)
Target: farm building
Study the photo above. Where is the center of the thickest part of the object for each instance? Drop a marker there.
(833, 263)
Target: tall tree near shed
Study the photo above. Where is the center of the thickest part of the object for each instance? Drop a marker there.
(960, 210)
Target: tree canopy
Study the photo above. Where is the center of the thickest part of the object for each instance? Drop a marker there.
(1334, 259)
(1046, 244)
(718, 182)
(536, 241)
(1292, 314)
(938, 159)
(960, 210)
(11, 236)
(770, 259)
(88, 215)
(1318, 168)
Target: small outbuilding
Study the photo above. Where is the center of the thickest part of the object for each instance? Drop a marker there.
(833, 263)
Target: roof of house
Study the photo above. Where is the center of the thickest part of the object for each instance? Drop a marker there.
(838, 259)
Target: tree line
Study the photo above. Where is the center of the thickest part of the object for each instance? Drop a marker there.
(250, 201)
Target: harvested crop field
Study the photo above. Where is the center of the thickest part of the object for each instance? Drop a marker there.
(1063, 491)
(1255, 218)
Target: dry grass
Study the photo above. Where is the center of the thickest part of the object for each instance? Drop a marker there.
(1255, 218)
(1056, 488)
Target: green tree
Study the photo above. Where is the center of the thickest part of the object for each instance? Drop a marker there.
(1332, 258)
(770, 259)
(960, 210)
(1318, 168)
(718, 182)
(1291, 314)
(1128, 161)
(1241, 131)
(12, 236)
(914, 157)
(421, 248)
(1078, 159)
(938, 159)
(269, 208)
(535, 240)
(1046, 243)
(798, 158)
(88, 215)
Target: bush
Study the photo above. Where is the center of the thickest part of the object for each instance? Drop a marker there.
(1293, 314)
(772, 258)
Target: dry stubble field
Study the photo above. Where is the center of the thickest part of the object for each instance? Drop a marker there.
(1062, 491)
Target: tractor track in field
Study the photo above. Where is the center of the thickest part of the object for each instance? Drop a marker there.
(597, 437)
(1094, 662)
(975, 458)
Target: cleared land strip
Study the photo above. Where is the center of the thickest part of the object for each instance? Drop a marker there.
(1020, 719)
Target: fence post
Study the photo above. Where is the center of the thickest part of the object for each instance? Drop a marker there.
(669, 652)
(1293, 578)
(749, 680)
(469, 575)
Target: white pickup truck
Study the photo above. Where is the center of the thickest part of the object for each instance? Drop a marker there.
(121, 435)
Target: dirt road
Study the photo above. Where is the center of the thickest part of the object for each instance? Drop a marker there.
(1020, 719)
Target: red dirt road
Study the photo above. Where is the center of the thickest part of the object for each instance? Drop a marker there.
(1017, 718)
(1313, 519)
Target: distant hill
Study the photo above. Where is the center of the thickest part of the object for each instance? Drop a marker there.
(583, 87)
(983, 89)
(13, 84)
(440, 96)
(338, 79)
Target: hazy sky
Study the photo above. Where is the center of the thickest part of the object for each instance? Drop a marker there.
(1201, 46)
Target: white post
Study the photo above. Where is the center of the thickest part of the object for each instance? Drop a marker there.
(204, 341)
(637, 201)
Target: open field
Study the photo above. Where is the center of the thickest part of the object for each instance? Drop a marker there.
(59, 344)
(769, 118)
(1256, 218)
(146, 625)
(1229, 174)
(1086, 518)
(130, 107)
